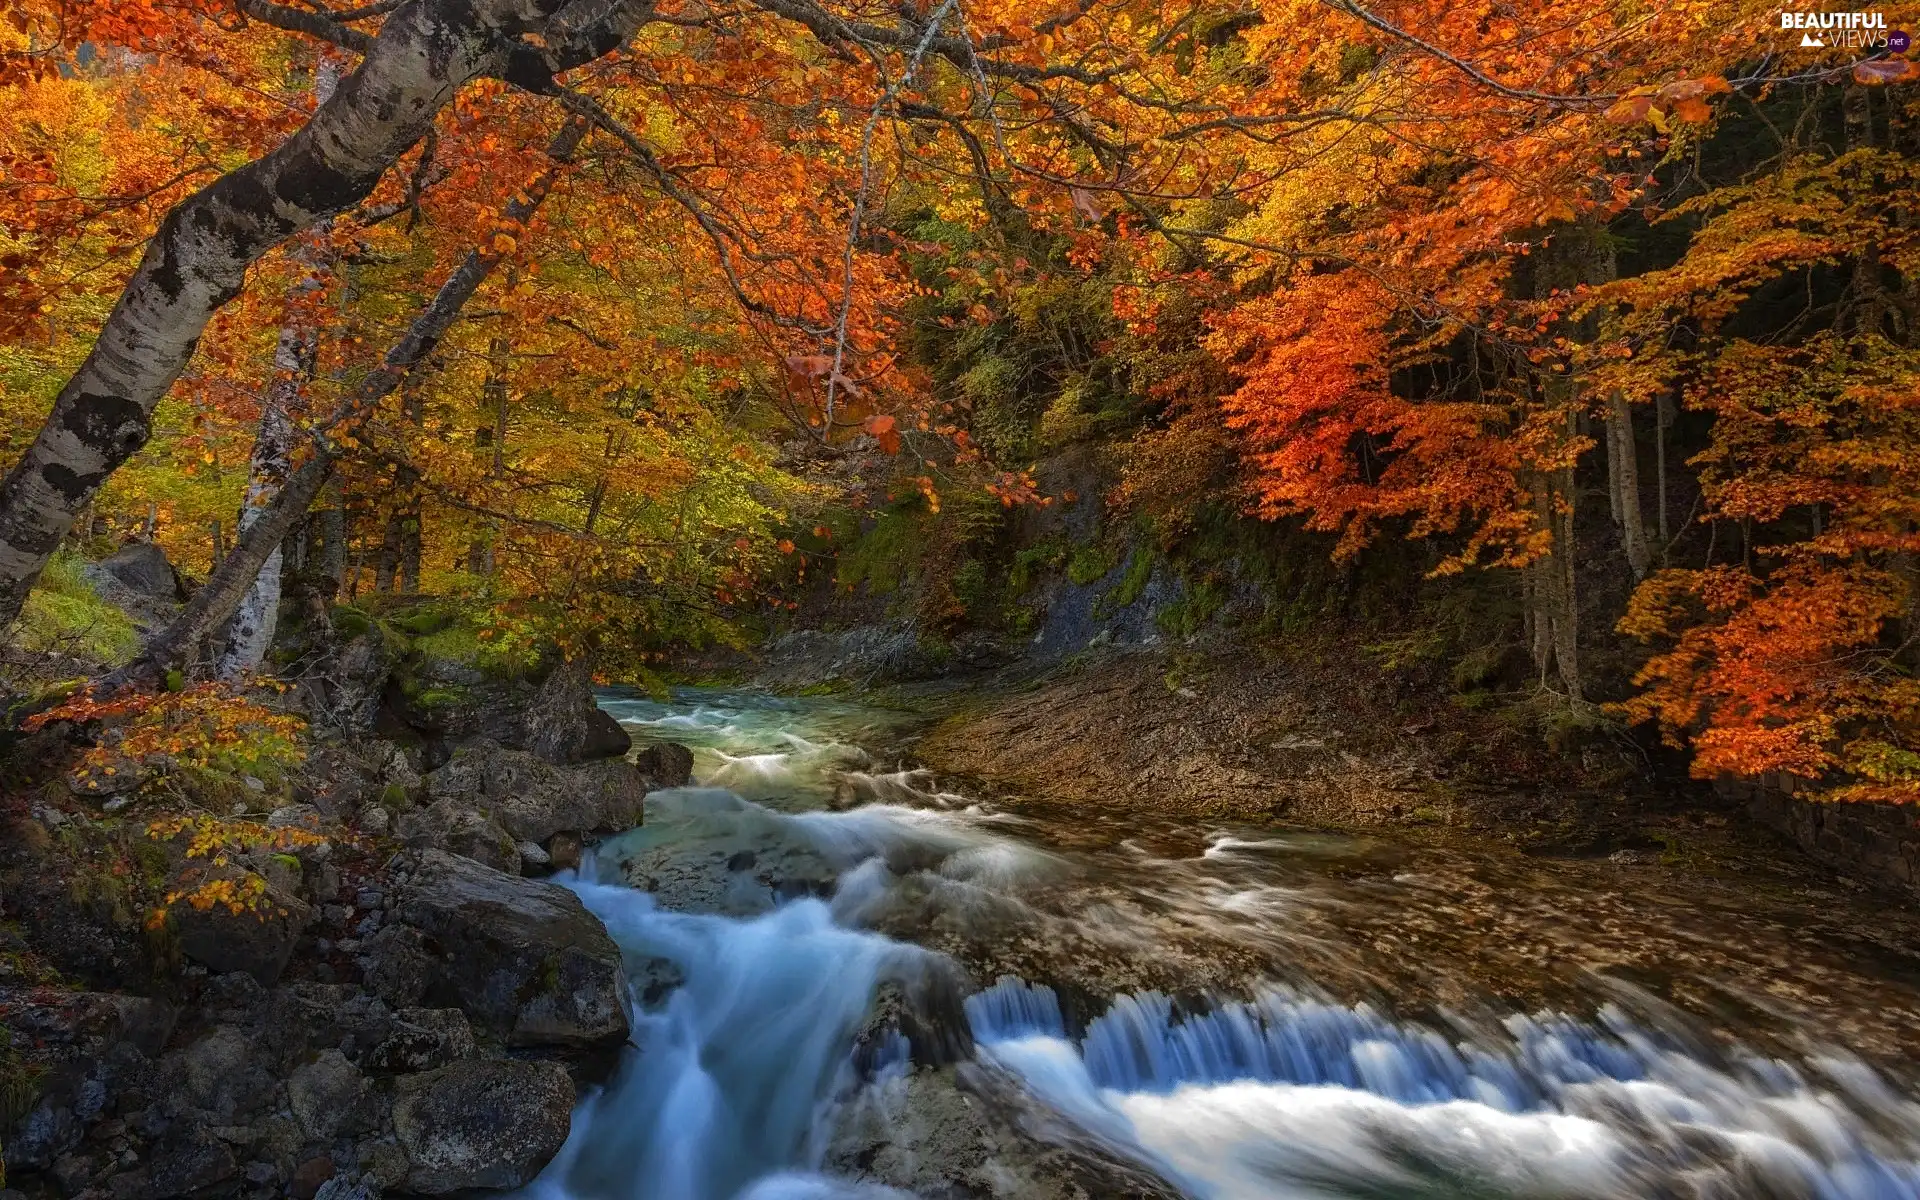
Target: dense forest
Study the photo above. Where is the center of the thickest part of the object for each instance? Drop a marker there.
(1035, 599)
(599, 332)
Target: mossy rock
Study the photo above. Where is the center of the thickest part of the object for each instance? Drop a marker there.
(424, 623)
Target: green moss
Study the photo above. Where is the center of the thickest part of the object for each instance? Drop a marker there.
(1091, 563)
(350, 622)
(1133, 584)
(972, 587)
(1030, 563)
(393, 796)
(1190, 613)
(441, 697)
(883, 557)
(461, 642)
(424, 623)
(63, 614)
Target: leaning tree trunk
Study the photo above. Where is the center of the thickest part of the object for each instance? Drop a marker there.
(197, 261)
(213, 604)
(250, 632)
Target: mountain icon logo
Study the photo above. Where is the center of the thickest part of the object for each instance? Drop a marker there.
(1808, 40)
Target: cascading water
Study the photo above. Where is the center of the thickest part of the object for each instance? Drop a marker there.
(805, 876)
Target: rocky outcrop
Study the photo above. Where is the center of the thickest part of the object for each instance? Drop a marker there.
(521, 957)
(967, 1133)
(258, 940)
(666, 764)
(501, 806)
(486, 1124)
(532, 800)
(138, 579)
(80, 1048)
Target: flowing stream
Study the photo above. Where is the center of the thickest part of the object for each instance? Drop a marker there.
(1225, 1013)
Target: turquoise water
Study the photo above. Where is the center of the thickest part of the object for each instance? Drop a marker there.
(1243, 1012)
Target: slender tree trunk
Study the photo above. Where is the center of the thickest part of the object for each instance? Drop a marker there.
(1624, 473)
(400, 546)
(425, 52)
(494, 393)
(1662, 417)
(250, 632)
(214, 603)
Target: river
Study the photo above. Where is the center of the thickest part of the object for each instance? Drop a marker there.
(1211, 1011)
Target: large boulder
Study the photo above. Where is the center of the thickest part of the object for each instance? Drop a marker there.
(666, 764)
(532, 800)
(348, 776)
(481, 1123)
(329, 1096)
(564, 725)
(258, 940)
(143, 569)
(456, 827)
(523, 958)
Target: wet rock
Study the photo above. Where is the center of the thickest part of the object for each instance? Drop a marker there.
(962, 1133)
(667, 764)
(522, 957)
(562, 722)
(481, 1124)
(329, 1097)
(728, 880)
(929, 1015)
(563, 850)
(605, 737)
(258, 941)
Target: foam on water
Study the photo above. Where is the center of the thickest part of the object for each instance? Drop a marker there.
(725, 1085)
(1291, 1096)
(733, 1079)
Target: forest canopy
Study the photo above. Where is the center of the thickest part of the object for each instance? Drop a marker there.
(617, 322)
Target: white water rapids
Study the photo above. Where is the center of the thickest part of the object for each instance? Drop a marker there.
(735, 1079)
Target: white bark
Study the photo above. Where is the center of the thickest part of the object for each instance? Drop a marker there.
(217, 599)
(197, 261)
(250, 633)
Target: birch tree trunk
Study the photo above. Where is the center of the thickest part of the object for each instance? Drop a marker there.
(1624, 474)
(197, 261)
(214, 603)
(251, 631)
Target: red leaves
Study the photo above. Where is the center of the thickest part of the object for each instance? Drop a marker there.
(808, 369)
(1882, 71)
(885, 430)
(1685, 99)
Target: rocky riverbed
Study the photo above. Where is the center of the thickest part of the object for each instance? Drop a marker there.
(737, 945)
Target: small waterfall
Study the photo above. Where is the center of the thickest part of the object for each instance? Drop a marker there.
(728, 1077)
(1266, 1097)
